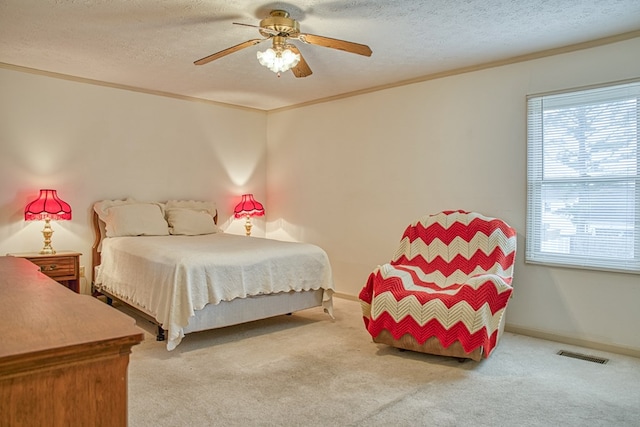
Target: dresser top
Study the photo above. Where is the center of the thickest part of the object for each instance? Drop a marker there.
(39, 316)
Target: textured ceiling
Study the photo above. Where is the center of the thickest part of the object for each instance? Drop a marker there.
(151, 44)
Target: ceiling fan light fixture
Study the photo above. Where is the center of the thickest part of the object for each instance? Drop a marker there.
(278, 61)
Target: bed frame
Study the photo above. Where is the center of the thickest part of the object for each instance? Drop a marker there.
(213, 316)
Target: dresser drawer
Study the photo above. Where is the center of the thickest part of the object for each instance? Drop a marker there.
(58, 267)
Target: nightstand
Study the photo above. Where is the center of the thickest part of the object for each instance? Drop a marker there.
(63, 266)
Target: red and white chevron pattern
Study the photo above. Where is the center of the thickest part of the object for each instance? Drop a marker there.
(450, 278)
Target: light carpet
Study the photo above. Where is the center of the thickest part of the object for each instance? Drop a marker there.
(308, 370)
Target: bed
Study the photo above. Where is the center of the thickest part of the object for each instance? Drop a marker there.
(170, 262)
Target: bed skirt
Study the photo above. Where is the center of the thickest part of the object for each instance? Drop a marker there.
(241, 310)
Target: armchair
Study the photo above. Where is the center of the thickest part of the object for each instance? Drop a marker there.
(447, 287)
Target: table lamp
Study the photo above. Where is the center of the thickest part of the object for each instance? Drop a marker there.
(46, 207)
(248, 207)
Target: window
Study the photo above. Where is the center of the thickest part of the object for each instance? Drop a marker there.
(583, 179)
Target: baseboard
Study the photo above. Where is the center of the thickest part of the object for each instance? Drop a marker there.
(627, 351)
(345, 296)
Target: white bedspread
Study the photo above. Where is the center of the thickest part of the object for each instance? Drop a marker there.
(171, 277)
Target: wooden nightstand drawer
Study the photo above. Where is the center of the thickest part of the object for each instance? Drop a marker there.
(59, 268)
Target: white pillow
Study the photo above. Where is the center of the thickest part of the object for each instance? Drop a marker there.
(136, 219)
(190, 222)
(195, 205)
(102, 206)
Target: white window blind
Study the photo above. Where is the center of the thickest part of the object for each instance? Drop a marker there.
(583, 182)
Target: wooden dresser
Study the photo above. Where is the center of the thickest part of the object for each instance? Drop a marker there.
(63, 356)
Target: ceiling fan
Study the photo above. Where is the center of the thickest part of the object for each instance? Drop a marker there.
(280, 28)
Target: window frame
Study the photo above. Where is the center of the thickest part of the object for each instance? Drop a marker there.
(536, 181)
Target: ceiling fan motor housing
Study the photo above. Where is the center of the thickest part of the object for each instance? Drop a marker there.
(279, 21)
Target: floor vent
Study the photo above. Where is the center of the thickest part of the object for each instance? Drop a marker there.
(586, 357)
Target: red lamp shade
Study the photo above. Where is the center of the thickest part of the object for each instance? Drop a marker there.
(248, 207)
(47, 206)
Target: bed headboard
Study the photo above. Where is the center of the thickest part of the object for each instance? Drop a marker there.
(99, 230)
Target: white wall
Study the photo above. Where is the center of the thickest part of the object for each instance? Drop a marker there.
(91, 143)
(351, 174)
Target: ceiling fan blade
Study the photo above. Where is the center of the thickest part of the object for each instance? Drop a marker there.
(228, 51)
(302, 69)
(262, 29)
(246, 25)
(351, 47)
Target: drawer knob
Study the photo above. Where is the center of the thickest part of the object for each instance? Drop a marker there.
(52, 267)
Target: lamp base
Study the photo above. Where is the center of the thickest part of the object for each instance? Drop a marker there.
(247, 226)
(47, 232)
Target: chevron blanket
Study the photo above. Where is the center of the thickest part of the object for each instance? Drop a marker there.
(450, 278)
